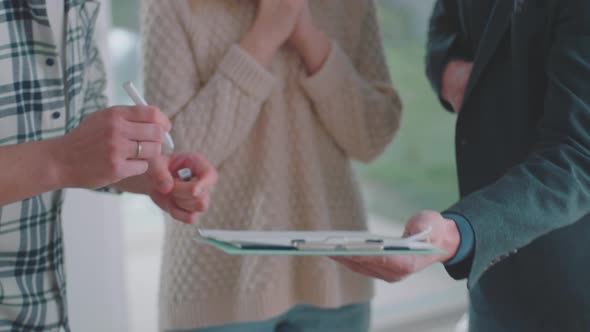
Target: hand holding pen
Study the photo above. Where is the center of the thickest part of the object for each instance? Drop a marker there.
(187, 178)
(140, 101)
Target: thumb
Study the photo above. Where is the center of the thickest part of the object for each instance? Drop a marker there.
(160, 175)
(421, 222)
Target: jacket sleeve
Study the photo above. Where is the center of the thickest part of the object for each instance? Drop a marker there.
(551, 188)
(446, 42)
(353, 95)
(212, 116)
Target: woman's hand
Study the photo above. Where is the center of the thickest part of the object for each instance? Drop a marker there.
(274, 24)
(182, 200)
(312, 44)
(186, 199)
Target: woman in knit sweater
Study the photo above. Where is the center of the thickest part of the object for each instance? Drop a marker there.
(280, 96)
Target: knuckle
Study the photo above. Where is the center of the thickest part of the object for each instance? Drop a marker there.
(151, 151)
(157, 133)
(157, 150)
(177, 215)
(114, 150)
(116, 168)
(114, 115)
(115, 126)
(152, 114)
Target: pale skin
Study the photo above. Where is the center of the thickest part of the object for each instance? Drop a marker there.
(286, 21)
(445, 234)
(455, 79)
(102, 152)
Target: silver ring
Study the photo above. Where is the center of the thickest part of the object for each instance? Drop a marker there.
(139, 150)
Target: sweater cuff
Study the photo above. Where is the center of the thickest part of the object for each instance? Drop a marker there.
(244, 71)
(467, 238)
(336, 70)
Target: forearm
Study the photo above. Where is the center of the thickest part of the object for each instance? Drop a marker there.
(362, 112)
(260, 48)
(28, 170)
(314, 49)
(217, 124)
(212, 115)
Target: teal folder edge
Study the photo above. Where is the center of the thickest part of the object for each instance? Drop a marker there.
(231, 250)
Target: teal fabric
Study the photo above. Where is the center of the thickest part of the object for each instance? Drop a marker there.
(467, 245)
(302, 318)
(523, 158)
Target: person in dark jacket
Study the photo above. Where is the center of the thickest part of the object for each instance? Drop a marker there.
(517, 73)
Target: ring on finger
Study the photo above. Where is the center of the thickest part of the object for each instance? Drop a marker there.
(139, 150)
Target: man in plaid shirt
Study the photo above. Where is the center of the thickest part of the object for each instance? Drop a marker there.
(53, 136)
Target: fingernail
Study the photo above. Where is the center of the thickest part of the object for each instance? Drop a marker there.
(198, 191)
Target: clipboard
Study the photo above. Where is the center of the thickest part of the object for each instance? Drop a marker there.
(315, 243)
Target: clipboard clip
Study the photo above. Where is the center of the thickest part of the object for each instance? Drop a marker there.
(339, 243)
(346, 244)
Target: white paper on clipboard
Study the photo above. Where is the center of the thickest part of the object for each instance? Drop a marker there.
(317, 240)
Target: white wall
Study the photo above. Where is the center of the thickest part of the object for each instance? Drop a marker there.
(94, 255)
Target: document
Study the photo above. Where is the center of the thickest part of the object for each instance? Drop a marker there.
(315, 243)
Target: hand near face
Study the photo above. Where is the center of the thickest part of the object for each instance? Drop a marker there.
(312, 43)
(274, 23)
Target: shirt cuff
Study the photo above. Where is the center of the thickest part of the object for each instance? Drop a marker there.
(467, 244)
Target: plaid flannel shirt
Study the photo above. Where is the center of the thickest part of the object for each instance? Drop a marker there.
(38, 103)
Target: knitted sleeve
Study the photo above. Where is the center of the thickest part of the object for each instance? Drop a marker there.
(353, 96)
(212, 117)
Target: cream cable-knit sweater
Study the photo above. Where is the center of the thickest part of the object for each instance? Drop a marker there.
(282, 143)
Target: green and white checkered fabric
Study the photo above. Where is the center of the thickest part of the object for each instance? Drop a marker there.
(37, 103)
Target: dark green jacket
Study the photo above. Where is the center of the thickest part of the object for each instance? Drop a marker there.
(523, 157)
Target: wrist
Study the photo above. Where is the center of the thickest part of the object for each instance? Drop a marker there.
(314, 48)
(451, 241)
(55, 165)
(260, 47)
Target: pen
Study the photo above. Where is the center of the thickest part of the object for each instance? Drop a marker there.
(185, 174)
(139, 101)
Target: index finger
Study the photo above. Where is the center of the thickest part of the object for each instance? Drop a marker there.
(147, 114)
